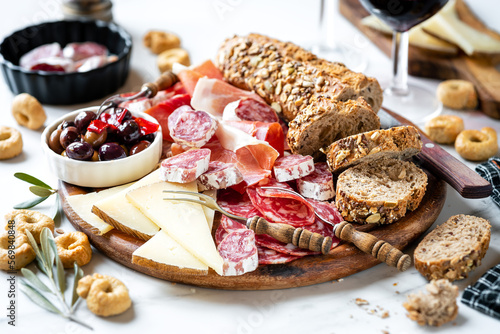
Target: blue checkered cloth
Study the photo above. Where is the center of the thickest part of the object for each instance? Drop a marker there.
(491, 172)
(484, 295)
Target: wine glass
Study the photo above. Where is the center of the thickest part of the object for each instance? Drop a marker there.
(328, 48)
(416, 103)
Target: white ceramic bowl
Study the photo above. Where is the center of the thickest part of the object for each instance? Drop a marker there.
(100, 174)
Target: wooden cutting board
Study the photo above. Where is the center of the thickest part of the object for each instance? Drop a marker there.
(345, 259)
(482, 71)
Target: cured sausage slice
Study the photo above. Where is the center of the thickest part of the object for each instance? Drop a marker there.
(293, 167)
(318, 185)
(239, 252)
(271, 243)
(248, 109)
(236, 203)
(270, 256)
(220, 175)
(327, 211)
(190, 127)
(185, 167)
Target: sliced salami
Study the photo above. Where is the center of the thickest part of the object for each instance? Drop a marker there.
(318, 185)
(220, 234)
(248, 109)
(185, 167)
(79, 51)
(271, 243)
(239, 252)
(293, 167)
(236, 203)
(231, 225)
(270, 256)
(327, 211)
(220, 175)
(190, 127)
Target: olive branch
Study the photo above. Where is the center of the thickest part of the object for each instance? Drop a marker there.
(42, 191)
(49, 263)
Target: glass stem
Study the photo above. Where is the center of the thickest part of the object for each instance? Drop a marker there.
(399, 84)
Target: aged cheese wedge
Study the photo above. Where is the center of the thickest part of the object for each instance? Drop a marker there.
(82, 206)
(447, 25)
(164, 252)
(184, 222)
(117, 211)
(209, 213)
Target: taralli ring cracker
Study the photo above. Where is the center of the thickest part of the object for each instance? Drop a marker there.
(159, 41)
(444, 129)
(74, 247)
(167, 58)
(28, 111)
(30, 220)
(23, 252)
(457, 94)
(477, 145)
(11, 142)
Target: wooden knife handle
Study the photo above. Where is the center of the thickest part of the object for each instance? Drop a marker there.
(165, 80)
(370, 244)
(289, 234)
(464, 180)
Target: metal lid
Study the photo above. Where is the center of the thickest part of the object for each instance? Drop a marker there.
(92, 9)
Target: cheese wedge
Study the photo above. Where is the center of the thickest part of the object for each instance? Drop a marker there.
(82, 206)
(447, 25)
(117, 211)
(183, 221)
(164, 252)
(209, 213)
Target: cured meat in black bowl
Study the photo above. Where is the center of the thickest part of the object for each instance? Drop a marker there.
(66, 88)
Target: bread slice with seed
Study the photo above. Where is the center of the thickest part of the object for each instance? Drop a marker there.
(437, 307)
(399, 142)
(324, 121)
(380, 191)
(454, 248)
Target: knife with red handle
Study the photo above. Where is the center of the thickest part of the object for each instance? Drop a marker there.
(443, 165)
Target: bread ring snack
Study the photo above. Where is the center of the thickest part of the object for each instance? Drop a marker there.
(444, 129)
(159, 41)
(477, 145)
(457, 94)
(11, 142)
(73, 247)
(28, 111)
(23, 251)
(167, 58)
(30, 220)
(106, 295)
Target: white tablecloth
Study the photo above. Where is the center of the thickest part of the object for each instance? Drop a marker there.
(163, 307)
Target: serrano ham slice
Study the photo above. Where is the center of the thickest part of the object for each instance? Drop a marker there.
(239, 252)
(220, 175)
(293, 167)
(317, 185)
(272, 133)
(33, 57)
(190, 127)
(185, 167)
(248, 109)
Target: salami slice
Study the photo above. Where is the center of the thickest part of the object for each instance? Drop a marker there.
(190, 127)
(231, 225)
(185, 167)
(220, 175)
(236, 203)
(317, 185)
(271, 243)
(79, 51)
(282, 207)
(293, 167)
(270, 256)
(239, 252)
(248, 109)
(220, 234)
(327, 211)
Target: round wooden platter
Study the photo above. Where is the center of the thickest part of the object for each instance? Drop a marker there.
(344, 260)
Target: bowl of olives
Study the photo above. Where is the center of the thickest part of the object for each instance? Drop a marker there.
(115, 148)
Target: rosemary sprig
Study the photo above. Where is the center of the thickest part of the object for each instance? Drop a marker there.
(49, 263)
(41, 190)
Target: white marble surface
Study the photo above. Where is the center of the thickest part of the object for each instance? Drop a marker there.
(163, 307)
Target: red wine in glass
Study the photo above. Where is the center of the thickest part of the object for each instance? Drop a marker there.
(414, 102)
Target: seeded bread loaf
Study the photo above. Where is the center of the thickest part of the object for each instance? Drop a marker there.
(400, 142)
(324, 121)
(289, 77)
(380, 191)
(454, 248)
(437, 307)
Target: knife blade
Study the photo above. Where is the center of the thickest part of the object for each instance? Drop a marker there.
(443, 165)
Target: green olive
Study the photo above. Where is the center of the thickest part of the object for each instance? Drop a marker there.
(95, 139)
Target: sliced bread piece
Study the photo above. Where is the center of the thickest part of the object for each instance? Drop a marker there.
(380, 191)
(437, 307)
(399, 142)
(454, 248)
(325, 120)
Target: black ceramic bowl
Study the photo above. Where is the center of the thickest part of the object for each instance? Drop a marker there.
(66, 88)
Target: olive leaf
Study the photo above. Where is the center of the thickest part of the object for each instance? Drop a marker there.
(38, 298)
(34, 280)
(41, 191)
(76, 278)
(31, 179)
(39, 257)
(30, 203)
(47, 251)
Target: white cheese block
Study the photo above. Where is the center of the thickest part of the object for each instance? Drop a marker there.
(123, 215)
(162, 250)
(209, 213)
(183, 221)
(82, 206)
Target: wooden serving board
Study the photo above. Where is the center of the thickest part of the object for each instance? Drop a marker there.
(344, 260)
(482, 71)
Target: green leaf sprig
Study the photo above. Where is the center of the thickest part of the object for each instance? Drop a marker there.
(41, 190)
(49, 263)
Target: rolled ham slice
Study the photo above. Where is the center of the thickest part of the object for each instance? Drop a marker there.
(185, 167)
